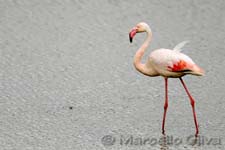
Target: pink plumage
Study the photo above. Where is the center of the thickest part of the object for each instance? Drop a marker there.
(167, 63)
(170, 63)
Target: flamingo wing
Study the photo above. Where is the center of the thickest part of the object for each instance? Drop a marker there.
(180, 66)
(173, 60)
(166, 60)
(180, 62)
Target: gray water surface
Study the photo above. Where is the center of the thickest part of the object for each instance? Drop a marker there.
(68, 81)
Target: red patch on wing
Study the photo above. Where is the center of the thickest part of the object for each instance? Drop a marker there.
(179, 66)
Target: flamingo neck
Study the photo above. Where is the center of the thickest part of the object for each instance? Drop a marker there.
(139, 54)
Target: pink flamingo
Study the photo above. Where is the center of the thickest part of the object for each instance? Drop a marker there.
(167, 63)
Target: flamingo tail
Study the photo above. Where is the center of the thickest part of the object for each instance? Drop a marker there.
(195, 70)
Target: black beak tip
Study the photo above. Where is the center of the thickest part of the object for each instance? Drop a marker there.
(131, 39)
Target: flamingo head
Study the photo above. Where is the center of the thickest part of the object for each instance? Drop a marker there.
(140, 27)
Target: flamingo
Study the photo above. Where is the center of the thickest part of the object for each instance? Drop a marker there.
(166, 63)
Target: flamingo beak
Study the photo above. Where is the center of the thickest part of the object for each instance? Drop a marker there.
(132, 34)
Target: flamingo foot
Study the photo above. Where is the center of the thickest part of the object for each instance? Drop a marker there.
(163, 132)
(196, 133)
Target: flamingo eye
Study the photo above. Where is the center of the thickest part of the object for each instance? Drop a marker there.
(138, 28)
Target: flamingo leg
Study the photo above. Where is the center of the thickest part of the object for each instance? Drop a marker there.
(165, 105)
(192, 104)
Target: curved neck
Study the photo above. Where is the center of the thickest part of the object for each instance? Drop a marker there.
(139, 54)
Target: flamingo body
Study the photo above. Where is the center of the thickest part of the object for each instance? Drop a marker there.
(167, 63)
(170, 63)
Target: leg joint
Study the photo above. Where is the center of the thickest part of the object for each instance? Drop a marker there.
(192, 103)
(166, 106)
